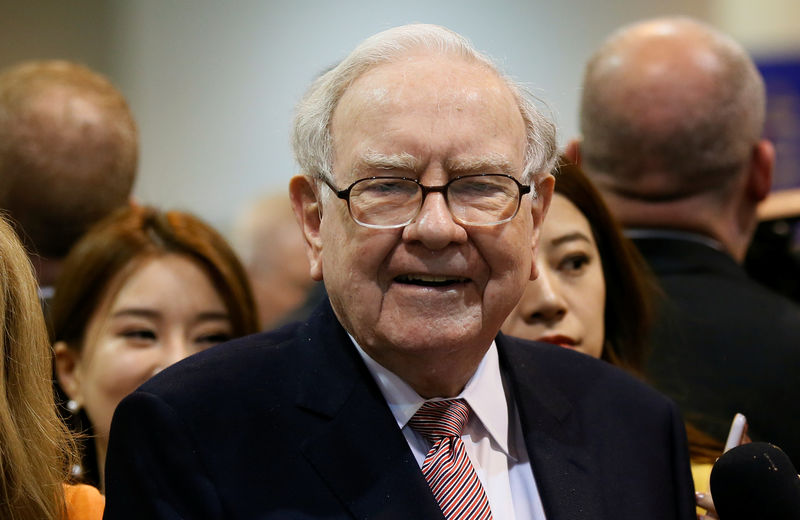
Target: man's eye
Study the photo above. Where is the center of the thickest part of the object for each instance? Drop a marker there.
(477, 188)
(391, 188)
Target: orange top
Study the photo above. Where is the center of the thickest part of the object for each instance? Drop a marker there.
(83, 502)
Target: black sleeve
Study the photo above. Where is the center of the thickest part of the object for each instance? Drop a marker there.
(684, 485)
(152, 467)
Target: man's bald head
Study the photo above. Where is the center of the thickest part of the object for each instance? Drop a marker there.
(671, 108)
(273, 251)
(68, 152)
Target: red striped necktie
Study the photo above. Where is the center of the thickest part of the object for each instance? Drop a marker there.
(447, 468)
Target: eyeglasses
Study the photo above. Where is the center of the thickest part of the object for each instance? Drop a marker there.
(485, 199)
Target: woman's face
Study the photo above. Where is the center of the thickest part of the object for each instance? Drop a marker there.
(163, 311)
(566, 304)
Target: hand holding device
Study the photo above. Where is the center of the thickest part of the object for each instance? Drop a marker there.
(737, 434)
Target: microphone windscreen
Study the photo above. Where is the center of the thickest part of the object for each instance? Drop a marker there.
(755, 480)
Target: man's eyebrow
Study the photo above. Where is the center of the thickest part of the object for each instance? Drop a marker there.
(379, 161)
(492, 163)
(570, 237)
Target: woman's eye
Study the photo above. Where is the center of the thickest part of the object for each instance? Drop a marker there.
(139, 334)
(214, 338)
(575, 263)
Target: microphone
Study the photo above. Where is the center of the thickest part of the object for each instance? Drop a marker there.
(755, 480)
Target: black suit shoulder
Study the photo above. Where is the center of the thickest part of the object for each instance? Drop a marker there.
(577, 375)
(724, 344)
(613, 432)
(231, 367)
(610, 401)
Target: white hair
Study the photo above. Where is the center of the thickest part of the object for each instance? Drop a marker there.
(311, 137)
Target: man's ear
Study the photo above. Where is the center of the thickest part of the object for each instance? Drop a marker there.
(67, 363)
(762, 163)
(573, 151)
(308, 212)
(539, 207)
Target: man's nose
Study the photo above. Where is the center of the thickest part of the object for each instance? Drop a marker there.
(546, 303)
(434, 225)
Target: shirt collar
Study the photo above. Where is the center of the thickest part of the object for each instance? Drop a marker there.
(483, 392)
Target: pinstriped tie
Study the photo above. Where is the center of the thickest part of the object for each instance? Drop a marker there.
(447, 468)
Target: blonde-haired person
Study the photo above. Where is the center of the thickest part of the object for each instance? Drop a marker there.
(37, 449)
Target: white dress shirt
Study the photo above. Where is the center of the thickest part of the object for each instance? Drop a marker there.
(492, 437)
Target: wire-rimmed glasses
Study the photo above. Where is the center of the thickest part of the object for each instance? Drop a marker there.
(484, 199)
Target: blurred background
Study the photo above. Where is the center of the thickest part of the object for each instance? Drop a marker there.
(213, 84)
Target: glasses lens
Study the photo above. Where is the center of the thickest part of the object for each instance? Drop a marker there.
(483, 199)
(385, 202)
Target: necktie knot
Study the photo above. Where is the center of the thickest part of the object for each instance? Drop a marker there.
(437, 419)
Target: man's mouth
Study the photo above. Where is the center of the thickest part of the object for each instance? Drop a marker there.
(429, 280)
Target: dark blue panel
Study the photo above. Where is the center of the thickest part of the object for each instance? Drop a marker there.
(782, 77)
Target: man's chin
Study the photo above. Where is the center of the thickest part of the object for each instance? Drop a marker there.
(431, 334)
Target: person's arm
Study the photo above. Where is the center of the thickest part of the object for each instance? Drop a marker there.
(152, 467)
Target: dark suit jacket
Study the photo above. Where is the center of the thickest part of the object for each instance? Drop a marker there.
(725, 344)
(291, 425)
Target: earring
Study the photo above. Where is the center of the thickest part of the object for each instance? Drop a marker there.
(73, 406)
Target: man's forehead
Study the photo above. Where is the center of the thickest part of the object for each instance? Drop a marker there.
(393, 82)
(448, 89)
(491, 162)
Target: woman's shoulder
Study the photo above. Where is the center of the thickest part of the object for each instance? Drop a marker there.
(83, 502)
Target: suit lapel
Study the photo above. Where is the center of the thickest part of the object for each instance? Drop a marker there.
(362, 456)
(554, 437)
(358, 450)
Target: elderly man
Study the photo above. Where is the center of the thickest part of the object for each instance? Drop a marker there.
(68, 156)
(672, 118)
(425, 183)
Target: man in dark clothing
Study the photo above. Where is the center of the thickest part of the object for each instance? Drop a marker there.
(671, 119)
